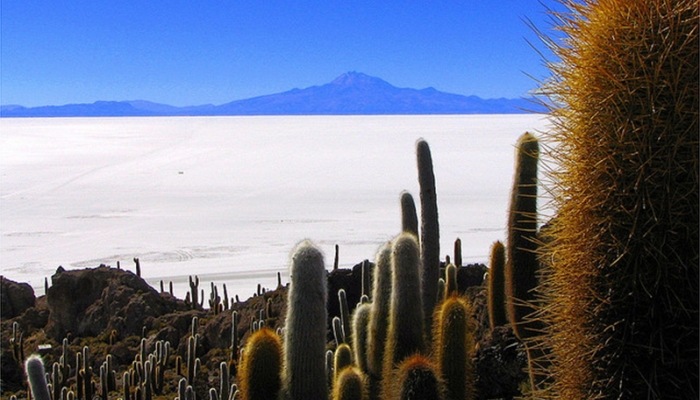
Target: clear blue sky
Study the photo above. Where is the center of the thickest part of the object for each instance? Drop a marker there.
(186, 52)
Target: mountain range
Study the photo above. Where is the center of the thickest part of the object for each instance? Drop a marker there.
(352, 93)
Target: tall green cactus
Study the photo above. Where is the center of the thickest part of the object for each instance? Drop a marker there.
(429, 231)
(34, 367)
(522, 264)
(259, 376)
(454, 347)
(416, 378)
(306, 322)
(379, 312)
(405, 334)
(496, 286)
(350, 385)
(622, 293)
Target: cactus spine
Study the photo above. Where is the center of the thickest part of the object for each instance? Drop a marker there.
(429, 231)
(623, 291)
(521, 262)
(306, 322)
(379, 313)
(454, 346)
(36, 375)
(350, 385)
(496, 288)
(405, 335)
(259, 375)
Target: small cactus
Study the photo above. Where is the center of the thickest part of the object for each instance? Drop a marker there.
(261, 367)
(409, 218)
(342, 358)
(338, 331)
(450, 280)
(360, 326)
(34, 368)
(350, 385)
(344, 315)
(496, 288)
(416, 378)
(194, 291)
(458, 253)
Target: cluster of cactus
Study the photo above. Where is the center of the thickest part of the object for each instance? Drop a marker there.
(397, 311)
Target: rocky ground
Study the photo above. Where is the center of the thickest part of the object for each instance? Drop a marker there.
(111, 310)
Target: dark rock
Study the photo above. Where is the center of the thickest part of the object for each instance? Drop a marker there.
(351, 281)
(88, 302)
(15, 298)
(500, 365)
(12, 375)
(33, 318)
(470, 275)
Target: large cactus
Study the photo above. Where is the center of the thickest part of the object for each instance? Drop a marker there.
(623, 290)
(36, 375)
(405, 335)
(429, 230)
(305, 326)
(521, 252)
(454, 347)
(261, 367)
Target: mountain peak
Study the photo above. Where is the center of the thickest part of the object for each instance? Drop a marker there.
(353, 78)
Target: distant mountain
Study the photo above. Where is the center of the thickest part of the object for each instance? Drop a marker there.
(352, 93)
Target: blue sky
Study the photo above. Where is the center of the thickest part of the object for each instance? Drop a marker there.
(185, 52)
